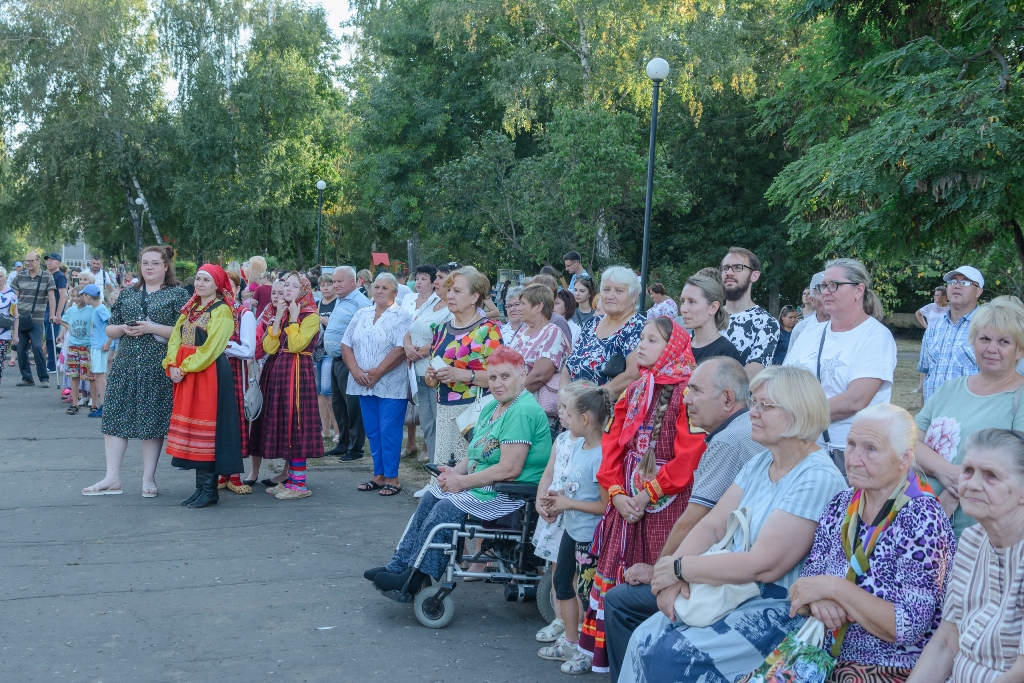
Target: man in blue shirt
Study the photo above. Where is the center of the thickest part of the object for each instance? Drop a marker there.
(52, 324)
(946, 352)
(352, 436)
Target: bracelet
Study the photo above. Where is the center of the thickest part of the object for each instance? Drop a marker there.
(653, 490)
(616, 491)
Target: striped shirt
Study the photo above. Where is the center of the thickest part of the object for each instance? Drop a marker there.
(32, 291)
(495, 508)
(985, 602)
(729, 449)
(946, 352)
(805, 491)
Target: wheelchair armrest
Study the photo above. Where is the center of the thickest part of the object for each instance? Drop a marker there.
(515, 489)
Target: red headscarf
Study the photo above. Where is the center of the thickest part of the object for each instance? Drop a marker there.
(193, 308)
(674, 366)
(307, 304)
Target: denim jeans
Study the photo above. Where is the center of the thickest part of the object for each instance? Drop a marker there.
(429, 513)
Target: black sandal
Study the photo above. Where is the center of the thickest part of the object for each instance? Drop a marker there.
(370, 486)
(389, 490)
(270, 483)
(73, 410)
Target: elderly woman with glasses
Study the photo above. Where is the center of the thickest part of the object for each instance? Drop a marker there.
(882, 555)
(373, 349)
(981, 639)
(962, 406)
(784, 490)
(852, 354)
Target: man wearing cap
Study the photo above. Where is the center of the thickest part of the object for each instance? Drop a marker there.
(820, 314)
(36, 289)
(946, 352)
(52, 324)
(19, 267)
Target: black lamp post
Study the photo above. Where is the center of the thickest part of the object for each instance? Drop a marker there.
(320, 187)
(657, 71)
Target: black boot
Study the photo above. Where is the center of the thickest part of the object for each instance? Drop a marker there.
(209, 495)
(199, 489)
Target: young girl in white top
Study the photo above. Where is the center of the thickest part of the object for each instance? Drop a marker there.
(578, 504)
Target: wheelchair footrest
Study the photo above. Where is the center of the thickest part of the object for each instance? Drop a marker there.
(398, 596)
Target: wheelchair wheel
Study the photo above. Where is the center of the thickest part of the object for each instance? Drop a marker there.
(546, 596)
(433, 614)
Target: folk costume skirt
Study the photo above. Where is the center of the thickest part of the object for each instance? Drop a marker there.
(204, 432)
(239, 374)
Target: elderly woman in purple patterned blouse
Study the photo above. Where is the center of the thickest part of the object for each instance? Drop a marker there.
(882, 555)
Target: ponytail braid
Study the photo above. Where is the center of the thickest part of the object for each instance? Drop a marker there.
(648, 463)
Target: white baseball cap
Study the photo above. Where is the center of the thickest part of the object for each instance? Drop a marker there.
(969, 272)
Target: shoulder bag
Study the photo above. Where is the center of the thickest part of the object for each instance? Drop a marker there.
(707, 604)
(253, 397)
(468, 418)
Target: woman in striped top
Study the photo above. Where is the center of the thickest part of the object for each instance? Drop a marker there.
(981, 639)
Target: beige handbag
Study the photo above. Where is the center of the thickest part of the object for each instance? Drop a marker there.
(253, 397)
(707, 604)
(467, 419)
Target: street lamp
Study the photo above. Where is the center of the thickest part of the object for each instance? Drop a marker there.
(657, 71)
(320, 187)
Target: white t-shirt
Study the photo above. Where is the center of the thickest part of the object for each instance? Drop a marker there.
(867, 350)
(933, 312)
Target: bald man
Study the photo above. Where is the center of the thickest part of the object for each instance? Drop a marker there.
(36, 289)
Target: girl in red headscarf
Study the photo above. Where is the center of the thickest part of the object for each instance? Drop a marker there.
(291, 417)
(204, 433)
(649, 454)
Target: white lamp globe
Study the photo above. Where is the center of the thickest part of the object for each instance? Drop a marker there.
(657, 69)
(138, 201)
(321, 185)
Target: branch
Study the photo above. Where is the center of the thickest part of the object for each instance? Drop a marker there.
(145, 209)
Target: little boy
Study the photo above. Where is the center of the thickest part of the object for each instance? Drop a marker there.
(77, 322)
(99, 346)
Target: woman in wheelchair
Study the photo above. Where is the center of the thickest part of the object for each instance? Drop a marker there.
(511, 442)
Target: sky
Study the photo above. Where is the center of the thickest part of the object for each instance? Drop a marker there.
(337, 12)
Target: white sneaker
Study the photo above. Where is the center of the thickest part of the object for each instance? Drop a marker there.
(83, 401)
(562, 651)
(579, 664)
(551, 632)
(419, 494)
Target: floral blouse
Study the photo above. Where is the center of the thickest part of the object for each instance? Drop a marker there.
(590, 352)
(910, 567)
(464, 349)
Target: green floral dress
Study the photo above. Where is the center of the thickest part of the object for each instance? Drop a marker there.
(139, 394)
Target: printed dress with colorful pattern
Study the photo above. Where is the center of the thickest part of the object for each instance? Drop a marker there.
(464, 350)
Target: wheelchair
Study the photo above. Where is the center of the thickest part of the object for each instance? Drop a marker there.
(506, 552)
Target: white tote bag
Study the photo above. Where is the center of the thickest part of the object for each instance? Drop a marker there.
(707, 604)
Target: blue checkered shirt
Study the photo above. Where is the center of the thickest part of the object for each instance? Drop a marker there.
(946, 353)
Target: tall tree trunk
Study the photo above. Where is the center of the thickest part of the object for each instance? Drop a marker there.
(774, 293)
(133, 212)
(1018, 239)
(300, 259)
(146, 210)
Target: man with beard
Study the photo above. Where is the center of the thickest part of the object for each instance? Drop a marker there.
(752, 330)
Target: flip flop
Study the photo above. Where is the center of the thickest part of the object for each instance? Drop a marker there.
(389, 490)
(150, 491)
(95, 491)
(370, 486)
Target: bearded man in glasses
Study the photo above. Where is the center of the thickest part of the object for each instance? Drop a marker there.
(752, 329)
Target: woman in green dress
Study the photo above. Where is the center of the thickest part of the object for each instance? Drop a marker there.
(139, 394)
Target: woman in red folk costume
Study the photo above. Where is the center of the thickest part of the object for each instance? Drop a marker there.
(649, 454)
(291, 416)
(240, 350)
(265, 362)
(204, 433)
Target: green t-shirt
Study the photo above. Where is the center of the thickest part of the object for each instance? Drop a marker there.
(523, 422)
(952, 414)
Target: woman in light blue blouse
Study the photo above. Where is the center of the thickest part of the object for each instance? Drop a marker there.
(784, 491)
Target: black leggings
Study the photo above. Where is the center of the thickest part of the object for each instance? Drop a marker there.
(573, 578)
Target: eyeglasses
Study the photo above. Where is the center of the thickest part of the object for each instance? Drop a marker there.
(735, 268)
(960, 283)
(760, 406)
(832, 287)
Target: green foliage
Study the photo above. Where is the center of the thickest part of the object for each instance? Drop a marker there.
(185, 269)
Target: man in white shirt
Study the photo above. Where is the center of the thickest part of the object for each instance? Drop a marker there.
(105, 279)
(820, 314)
(752, 330)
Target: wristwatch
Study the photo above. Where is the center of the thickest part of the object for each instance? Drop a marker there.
(678, 566)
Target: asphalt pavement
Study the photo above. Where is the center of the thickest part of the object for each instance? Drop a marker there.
(118, 589)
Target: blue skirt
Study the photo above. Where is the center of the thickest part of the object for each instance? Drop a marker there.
(660, 651)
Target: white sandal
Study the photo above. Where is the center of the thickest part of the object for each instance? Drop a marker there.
(551, 632)
(95, 490)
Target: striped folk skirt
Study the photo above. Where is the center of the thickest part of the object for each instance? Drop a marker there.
(204, 432)
(238, 371)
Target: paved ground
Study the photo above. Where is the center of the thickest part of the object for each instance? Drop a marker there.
(117, 589)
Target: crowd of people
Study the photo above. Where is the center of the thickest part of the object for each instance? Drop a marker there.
(705, 444)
